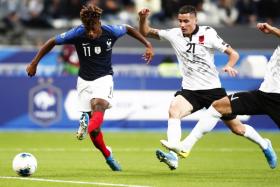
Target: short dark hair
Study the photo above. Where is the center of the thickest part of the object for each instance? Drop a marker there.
(187, 9)
(90, 15)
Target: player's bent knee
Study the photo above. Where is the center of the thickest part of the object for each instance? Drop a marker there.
(99, 108)
(99, 105)
(174, 112)
(217, 105)
(222, 106)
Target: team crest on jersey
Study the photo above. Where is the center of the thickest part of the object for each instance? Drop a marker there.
(97, 50)
(201, 39)
(109, 44)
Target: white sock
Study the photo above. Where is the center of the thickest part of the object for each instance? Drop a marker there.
(205, 124)
(174, 130)
(254, 136)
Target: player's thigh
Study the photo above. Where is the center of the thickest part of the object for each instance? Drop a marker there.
(246, 103)
(180, 107)
(93, 91)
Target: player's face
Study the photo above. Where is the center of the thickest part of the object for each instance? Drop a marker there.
(187, 23)
(97, 25)
(94, 29)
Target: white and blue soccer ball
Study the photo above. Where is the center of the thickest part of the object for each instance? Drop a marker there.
(24, 164)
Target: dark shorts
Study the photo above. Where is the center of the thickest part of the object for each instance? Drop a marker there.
(204, 98)
(256, 103)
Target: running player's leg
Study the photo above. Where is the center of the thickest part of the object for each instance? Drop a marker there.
(238, 128)
(251, 134)
(178, 109)
(241, 103)
(96, 96)
(94, 129)
(246, 103)
(206, 123)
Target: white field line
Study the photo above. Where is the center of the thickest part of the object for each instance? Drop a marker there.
(126, 149)
(71, 182)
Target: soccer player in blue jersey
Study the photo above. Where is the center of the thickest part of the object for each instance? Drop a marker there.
(93, 43)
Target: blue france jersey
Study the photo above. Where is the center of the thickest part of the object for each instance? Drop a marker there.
(94, 54)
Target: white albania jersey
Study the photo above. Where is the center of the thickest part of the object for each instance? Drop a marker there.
(271, 83)
(196, 56)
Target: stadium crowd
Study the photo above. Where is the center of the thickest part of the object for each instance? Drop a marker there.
(15, 15)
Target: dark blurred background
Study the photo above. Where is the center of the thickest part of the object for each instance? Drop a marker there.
(31, 22)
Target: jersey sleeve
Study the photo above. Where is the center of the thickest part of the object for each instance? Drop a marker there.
(164, 34)
(70, 36)
(116, 30)
(216, 41)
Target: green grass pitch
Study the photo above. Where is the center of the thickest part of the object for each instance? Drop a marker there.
(219, 159)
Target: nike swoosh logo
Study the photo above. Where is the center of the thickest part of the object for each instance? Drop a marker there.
(85, 44)
(233, 98)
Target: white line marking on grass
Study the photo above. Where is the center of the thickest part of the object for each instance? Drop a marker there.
(71, 182)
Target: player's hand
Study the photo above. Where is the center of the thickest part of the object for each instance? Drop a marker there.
(264, 27)
(148, 55)
(144, 13)
(230, 70)
(31, 70)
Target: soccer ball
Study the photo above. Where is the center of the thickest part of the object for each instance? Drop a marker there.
(24, 164)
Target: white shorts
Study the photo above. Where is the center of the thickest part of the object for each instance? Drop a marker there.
(101, 88)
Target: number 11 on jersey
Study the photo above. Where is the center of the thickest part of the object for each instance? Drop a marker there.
(87, 51)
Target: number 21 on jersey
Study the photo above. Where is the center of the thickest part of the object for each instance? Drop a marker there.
(191, 47)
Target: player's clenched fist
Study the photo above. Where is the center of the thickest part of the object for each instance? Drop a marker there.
(264, 27)
(143, 13)
(31, 70)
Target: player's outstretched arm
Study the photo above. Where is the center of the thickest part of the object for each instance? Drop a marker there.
(144, 27)
(268, 29)
(32, 67)
(149, 53)
(233, 57)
